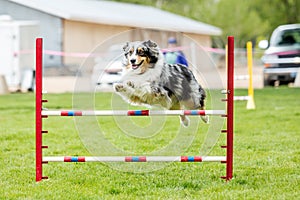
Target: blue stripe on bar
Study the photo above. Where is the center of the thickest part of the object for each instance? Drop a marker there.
(74, 159)
(191, 159)
(138, 112)
(71, 113)
(194, 112)
(135, 159)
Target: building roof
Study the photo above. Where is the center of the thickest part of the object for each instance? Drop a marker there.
(122, 14)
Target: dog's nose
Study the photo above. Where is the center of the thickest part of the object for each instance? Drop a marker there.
(132, 61)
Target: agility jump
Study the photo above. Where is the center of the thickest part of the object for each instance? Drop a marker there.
(40, 114)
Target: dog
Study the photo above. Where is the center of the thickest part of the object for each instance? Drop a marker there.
(148, 80)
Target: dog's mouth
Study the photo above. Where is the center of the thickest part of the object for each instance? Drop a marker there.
(135, 66)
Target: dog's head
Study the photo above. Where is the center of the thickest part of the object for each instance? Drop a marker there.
(140, 56)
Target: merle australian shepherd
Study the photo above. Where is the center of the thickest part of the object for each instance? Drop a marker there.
(148, 80)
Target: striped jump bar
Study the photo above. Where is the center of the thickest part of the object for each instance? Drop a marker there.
(131, 112)
(241, 98)
(135, 159)
(241, 77)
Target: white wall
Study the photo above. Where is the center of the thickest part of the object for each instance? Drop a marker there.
(50, 27)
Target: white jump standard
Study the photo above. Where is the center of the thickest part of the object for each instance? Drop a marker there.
(41, 114)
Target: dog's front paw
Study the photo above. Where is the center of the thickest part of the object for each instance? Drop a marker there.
(119, 87)
(156, 91)
(130, 84)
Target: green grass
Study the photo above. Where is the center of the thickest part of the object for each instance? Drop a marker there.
(266, 155)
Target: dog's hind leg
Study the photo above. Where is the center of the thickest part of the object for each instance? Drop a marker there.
(189, 104)
(184, 120)
(204, 118)
(202, 107)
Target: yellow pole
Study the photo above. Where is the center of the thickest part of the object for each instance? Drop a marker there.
(250, 103)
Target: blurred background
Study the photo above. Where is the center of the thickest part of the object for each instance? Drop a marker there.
(91, 33)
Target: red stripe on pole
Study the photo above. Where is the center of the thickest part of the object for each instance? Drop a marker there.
(128, 159)
(130, 112)
(81, 159)
(64, 113)
(187, 112)
(197, 159)
(67, 159)
(78, 113)
(142, 159)
(145, 112)
(201, 112)
(184, 159)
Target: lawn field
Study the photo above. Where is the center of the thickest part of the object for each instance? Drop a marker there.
(266, 155)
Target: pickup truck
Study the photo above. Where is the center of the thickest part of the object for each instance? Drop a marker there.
(282, 56)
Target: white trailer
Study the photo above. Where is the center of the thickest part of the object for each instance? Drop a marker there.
(17, 58)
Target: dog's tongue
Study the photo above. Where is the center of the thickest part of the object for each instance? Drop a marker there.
(134, 66)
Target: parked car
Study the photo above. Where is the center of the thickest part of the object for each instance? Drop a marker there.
(282, 56)
(108, 68)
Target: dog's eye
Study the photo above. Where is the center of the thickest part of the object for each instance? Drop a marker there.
(140, 52)
(130, 52)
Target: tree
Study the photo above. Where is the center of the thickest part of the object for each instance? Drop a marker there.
(237, 18)
(246, 20)
(277, 12)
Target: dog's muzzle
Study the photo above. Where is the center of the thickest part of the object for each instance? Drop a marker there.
(135, 66)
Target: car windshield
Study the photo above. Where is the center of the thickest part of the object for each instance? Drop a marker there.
(288, 37)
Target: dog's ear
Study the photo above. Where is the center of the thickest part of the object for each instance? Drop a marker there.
(126, 47)
(153, 50)
(151, 45)
(126, 50)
